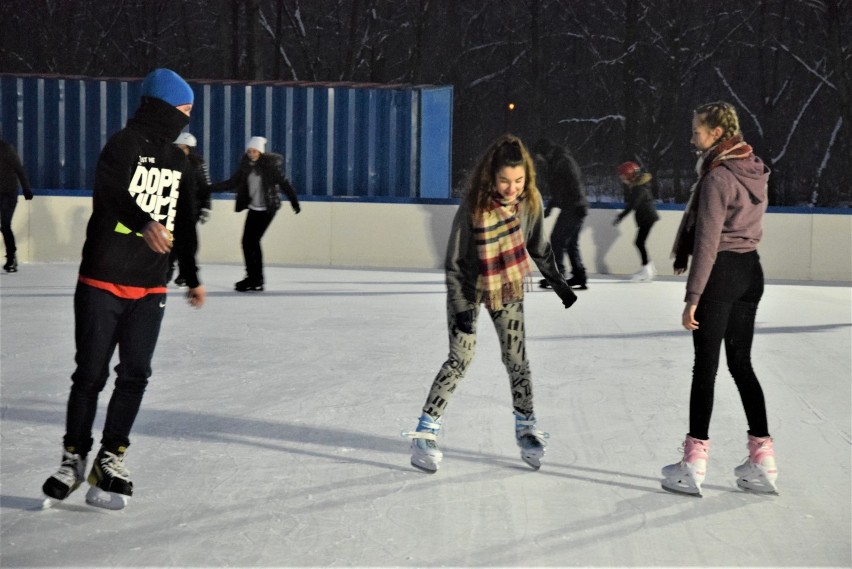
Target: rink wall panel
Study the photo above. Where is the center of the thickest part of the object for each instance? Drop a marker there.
(796, 246)
(336, 139)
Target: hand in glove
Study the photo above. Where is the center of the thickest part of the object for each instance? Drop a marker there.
(547, 211)
(204, 215)
(464, 321)
(296, 208)
(28, 195)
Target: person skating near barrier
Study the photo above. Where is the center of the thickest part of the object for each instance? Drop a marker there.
(564, 183)
(187, 142)
(639, 199)
(12, 176)
(259, 182)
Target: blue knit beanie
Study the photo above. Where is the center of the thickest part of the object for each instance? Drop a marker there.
(168, 86)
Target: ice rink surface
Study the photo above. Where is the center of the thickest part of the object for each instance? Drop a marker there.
(270, 431)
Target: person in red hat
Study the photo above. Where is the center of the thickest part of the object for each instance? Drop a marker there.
(639, 200)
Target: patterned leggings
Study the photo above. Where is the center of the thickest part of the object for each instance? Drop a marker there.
(509, 323)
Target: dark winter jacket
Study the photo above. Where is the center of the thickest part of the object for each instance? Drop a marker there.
(12, 171)
(462, 259)
(141, 176)
(732, 200)
(562, 180)
(640, 199)
(268, 165)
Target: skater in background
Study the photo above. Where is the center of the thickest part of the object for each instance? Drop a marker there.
(121, 291)
(562, 179)
(258, 181)
(721, 228)
(497, 224)
(640, 200)
(11, 174)
(187, 142)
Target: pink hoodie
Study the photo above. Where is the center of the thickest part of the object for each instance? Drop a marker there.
(732, 201)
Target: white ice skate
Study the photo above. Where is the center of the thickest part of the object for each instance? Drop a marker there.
(686, 476)
(531, 441)
(425, 453)
(759, 472)
(646, 274)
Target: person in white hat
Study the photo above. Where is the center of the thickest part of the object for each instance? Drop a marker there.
(258, 181)
(202, 204)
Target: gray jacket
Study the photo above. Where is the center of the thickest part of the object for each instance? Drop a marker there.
(462, 260)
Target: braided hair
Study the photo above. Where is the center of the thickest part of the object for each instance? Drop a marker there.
(719, 114)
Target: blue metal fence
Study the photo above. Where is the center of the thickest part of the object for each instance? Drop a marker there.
(337, 139)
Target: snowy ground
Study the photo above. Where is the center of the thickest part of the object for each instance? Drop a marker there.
(270, 433)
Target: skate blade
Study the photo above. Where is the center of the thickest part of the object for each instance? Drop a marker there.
(427, 467)
(533, 461)
(681, 489)
(107, 500)
(48, 502)
(757, 486)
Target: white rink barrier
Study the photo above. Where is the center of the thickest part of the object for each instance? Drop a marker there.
(796, 246)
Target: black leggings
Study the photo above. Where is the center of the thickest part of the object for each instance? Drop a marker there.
(257, 222)
(641, 237)
(726, 312)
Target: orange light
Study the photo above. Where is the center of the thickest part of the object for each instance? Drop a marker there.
(511, 106)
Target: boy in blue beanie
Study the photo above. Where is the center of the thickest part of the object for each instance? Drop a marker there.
(142, 208)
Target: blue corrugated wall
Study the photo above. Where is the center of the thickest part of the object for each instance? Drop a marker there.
(337, 139)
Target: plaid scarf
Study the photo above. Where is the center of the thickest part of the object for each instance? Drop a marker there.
(733, 148)
(503, 261)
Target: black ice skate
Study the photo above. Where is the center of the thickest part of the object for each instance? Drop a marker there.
(67, 479)
(11, 265)
(249, 285)
(110, 481)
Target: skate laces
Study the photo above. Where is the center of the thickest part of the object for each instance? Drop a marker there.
(68, 471)
(525, 425)
(113, 465)
(427, 428)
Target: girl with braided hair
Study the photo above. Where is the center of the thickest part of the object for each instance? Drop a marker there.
(721, 227)
(497, 225)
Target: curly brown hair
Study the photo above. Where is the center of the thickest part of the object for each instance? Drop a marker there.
(508, 150)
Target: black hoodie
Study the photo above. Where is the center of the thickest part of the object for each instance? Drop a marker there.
(141, 176)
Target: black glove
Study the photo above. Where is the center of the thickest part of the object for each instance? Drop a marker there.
(547, 211)
(567, 296)
(28, 195)
(296, 208)
(581, 210)
(464, 321)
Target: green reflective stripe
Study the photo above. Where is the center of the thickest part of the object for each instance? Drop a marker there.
(123, 229)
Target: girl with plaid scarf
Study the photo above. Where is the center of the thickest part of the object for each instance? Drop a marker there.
(720, 230)
(497, 226)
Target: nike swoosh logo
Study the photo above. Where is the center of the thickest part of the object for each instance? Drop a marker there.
(162, 304)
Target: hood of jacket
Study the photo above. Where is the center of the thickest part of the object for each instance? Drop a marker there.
(753, 174)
